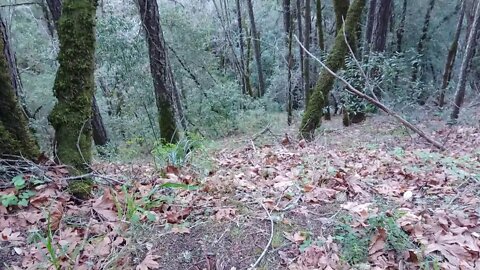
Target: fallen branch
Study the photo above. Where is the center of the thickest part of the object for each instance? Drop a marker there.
(253, 266)
(378, 104)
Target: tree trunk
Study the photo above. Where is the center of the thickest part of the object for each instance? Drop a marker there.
(74, 88)
(378, 39)
(401, 26)
(382, 15)
(308, 38)
(100, 135)
(451, 56)
(423, 39)
(159, 68)
(55, 7)
(256, 49)
(287, 23)
(341, 8)
(321, 38)
(370, 24)
(242, 48)
(15, 136)
(335, 61)
(462, 78)
(299, 4)
(98, 129)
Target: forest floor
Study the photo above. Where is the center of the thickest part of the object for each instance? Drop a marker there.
(370, 196)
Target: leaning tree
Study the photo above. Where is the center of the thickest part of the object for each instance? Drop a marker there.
(335, 61)
(15, 136)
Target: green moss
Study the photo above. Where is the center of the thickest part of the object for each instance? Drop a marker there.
(335, 61)
(15, 135)
(341, 8)
(74, 88)
(168, 127)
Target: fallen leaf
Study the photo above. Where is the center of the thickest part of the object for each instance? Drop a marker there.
(149, 263)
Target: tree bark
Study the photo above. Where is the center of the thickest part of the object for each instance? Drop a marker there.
(341, 8)
(451, 56)
(15, 136)
(335, 61)
(159, 68)
(308, 38)
(287, 23)
(401, 26)
(299, 5)
(100, 134)
(423, 39)
(74, 89)
(370, 24)
(256, 49)
(462, 78)
(382, 15)
(321, 38)
(242, 49)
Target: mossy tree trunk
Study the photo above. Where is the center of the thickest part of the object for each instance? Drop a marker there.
(335, 61)
(100, 135)
(15, 135)
(74, 88)
(341, 8)
(159, 68)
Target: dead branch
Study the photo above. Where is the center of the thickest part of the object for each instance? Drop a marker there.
(378, 104)
(253, 266)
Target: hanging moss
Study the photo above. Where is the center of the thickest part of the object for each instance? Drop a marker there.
(15, 136)
(335, 61)
(74, 88)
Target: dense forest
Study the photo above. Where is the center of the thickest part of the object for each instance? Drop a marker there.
(239, 134)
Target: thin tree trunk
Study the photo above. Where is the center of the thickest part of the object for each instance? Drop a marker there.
(159, 68)
(100, 135)
(242, 47)
(288, 27)
(256, 49)
(306, 65)
(299, 5)
(462, 78)
(98, 129)
(15, 136)
(401, 26)
(321, 38)
(335, 61)
(451, 56)
(423, 39)
(341, 8)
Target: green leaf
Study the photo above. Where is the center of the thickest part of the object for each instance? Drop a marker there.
(179, 186)
(18, 182)
(23, 202)
(27, 194)
(9, 200)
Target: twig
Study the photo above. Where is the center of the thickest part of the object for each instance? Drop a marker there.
(378, 104)
(269, 240)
